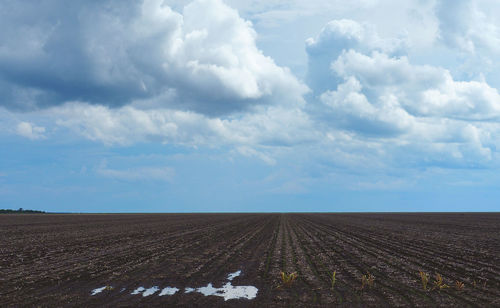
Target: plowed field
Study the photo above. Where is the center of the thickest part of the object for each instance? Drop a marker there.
(58, 260)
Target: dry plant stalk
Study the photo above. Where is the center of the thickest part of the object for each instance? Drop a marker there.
(459, 285)
(438, 283)
(367, 280)
(425, 279)
(287, 279)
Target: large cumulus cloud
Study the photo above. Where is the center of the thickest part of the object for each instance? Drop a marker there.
(202, 59)
(422, 90)
(377, 94)
(337, 36)
(193, 76)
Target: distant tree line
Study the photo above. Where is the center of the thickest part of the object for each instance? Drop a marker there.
(19, 211)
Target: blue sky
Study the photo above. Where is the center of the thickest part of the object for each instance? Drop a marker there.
(211, 105)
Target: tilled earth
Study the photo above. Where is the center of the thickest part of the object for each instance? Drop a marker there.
(57, 260)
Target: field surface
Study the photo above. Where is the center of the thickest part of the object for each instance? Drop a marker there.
(61, 260)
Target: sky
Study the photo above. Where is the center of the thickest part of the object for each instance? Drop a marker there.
(250, 105)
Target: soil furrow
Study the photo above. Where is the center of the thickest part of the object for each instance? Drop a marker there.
(391, 268)
(57, 260)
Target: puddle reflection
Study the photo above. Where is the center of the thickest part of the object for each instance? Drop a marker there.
(227, 291)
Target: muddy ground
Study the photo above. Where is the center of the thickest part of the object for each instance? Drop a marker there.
(53, 260)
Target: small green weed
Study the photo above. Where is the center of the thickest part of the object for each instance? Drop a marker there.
(424, 277)
(333, 279)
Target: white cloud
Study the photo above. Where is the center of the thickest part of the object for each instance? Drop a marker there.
(471, 31)
(422, 90)
(212, 56)
(250, 152)
(275, 12)
(269, 127)
(469, 25)
(204, 59)
(30, 131)
(203, 82)
(122, 126)
(352, 110)
(415, 112)
(164, 174)
(336, 37)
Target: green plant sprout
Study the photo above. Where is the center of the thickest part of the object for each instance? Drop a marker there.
(333, 279)
(439, 284)
(424, 277)
(287, 279)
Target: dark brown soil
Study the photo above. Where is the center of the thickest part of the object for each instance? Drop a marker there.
(57, 260)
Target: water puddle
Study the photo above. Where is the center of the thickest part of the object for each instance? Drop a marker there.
(138, 290)
(227, 291)
(150, 291)
(146, 292)
(98, 290)
(233, 275)
(168, 291)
